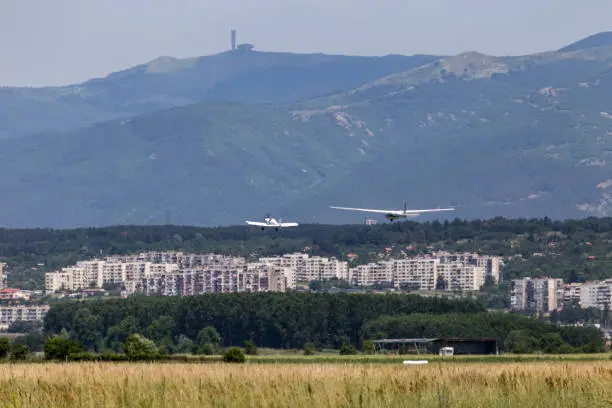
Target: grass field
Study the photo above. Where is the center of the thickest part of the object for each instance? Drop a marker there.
(491, 385)
(432, 359)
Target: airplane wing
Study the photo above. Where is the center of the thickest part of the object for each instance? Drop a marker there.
(257, 224)
(398, 212)
(428, 210)
(368, 210)
(288, 224)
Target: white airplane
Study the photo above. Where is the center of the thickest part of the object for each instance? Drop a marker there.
(272, 223)
(395, 214)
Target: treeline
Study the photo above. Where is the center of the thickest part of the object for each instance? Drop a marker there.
(575, 250)
(514, 333)
(201, 324)
(275, 320)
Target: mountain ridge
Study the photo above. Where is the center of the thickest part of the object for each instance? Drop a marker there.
(227, 76)
(497, 136)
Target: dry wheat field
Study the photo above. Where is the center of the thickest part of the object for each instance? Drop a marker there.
(576, 384)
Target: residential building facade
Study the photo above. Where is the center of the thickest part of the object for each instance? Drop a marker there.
(536, 294)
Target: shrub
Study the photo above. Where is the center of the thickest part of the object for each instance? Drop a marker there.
(368, 347)
(593, 347)
(309, 349)
(5, 347)
(551, 342)
(566, 349)
(250, 348)
(208, 335)
(234, 355)
(19, 352)
(520, 342)
(138, 347)
(58, 348)
(206, 349)
(347, 349)
(185, 345)
(87, 356)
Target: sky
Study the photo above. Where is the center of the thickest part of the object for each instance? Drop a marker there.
(56, 42)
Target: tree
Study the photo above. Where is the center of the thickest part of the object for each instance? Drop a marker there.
(22, 326)
(519, 342)
(118, 334)
(441, 283)
(605, 320)
(368, 347)
(315, 285)
(250, 348)
(309, 349)
(207, 350)
(161, 331)
(234, 355)
(5, 347)
(184, 345)
(59, 348)
(347, 349)
(87, 327)
(551, 343)
(208, 340)
(19, 352)
(593, 346)
(489, 284)
(35, 341)
(138, 347)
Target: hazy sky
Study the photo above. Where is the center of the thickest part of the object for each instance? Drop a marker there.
(46, 42)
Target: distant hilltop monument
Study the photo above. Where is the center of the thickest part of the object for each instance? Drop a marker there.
(233, 40)
(245, 47)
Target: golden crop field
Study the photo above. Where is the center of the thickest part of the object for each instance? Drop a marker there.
(490, 385)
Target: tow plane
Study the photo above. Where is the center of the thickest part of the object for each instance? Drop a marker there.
(395, 214)
(270, 222)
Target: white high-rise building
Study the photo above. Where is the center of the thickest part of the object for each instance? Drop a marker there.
(422, 273)
(373, 273)
(307, 268)
(459, 277)
(596, 294)
(416, 273)
(2, 276)
(537, 294)
(491, 264)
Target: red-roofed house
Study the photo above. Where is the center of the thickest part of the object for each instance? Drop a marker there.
(11, 293)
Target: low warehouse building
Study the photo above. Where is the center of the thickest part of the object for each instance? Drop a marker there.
(433, 345)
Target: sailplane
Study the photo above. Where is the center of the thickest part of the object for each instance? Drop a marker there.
(395, 214)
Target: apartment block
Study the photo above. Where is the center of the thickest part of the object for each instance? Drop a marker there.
(571, 292)
(11, 314)
(422, 273)
(3, 284)
(60, 281)
(178, 274)
(491, 264)
(596, 294)
(538, 294)
(309, 268)
(373, 273)
(459, 277)
(417, 273)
